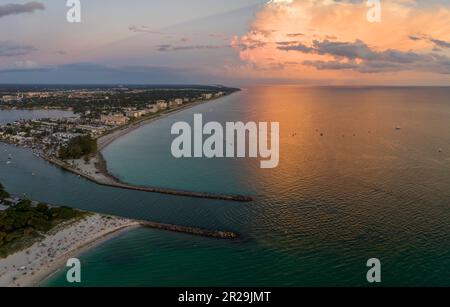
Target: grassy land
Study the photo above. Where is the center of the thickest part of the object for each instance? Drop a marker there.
(24, 224)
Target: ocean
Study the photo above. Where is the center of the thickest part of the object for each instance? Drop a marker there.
(364, 173)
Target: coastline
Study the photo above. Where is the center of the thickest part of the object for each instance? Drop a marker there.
(32, 265)
(57, 266)
(105, 140)
(96, 170)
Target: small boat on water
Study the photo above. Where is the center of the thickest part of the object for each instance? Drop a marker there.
(398, 128)
(8, 162)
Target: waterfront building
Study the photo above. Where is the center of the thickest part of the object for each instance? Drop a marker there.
(9, 98)
(152, 109)
(207, 96)
(114, 120)
(162, 104)
(135, 113)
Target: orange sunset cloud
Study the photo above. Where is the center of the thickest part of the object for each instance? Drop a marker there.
(326, 39)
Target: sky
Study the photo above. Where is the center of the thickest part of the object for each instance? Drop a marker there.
(232, 42)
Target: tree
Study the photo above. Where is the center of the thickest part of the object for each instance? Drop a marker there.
(3, 193)
(78, 147)
(43, 208)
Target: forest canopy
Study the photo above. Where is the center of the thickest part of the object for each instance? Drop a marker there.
(78, 147)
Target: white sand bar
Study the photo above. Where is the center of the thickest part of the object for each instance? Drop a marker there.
(32, 265)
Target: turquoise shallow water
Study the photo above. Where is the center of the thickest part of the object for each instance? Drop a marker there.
(362, 190)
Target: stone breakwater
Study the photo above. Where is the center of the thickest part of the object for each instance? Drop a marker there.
(192, 230)
(107, 180)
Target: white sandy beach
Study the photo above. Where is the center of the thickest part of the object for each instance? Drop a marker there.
(29, 267)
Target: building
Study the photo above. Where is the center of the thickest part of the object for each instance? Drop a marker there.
(93, 131)
(162, 104)
(172, 104)
(134, 113)
(152, 109)
(9, 98)
(114, 120)
(64, 137)
(207, 96)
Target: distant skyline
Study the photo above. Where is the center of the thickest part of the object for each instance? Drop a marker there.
(234, 42)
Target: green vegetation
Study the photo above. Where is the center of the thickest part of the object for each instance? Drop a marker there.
(104, 98)
(21, 225)
(78, 147)
(3, 193)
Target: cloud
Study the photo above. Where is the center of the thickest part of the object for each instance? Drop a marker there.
(441, 43)
(8, 49)
(331, 39)
(352, 50)
(437, 42)
(168, 47)
(295, 34)
(142, 29)
(287, 46)
(14, 9)
(360, 57)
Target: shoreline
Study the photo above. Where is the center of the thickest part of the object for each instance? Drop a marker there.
(106, 140)
(58, 265)
(96, 170)
(36, 264)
